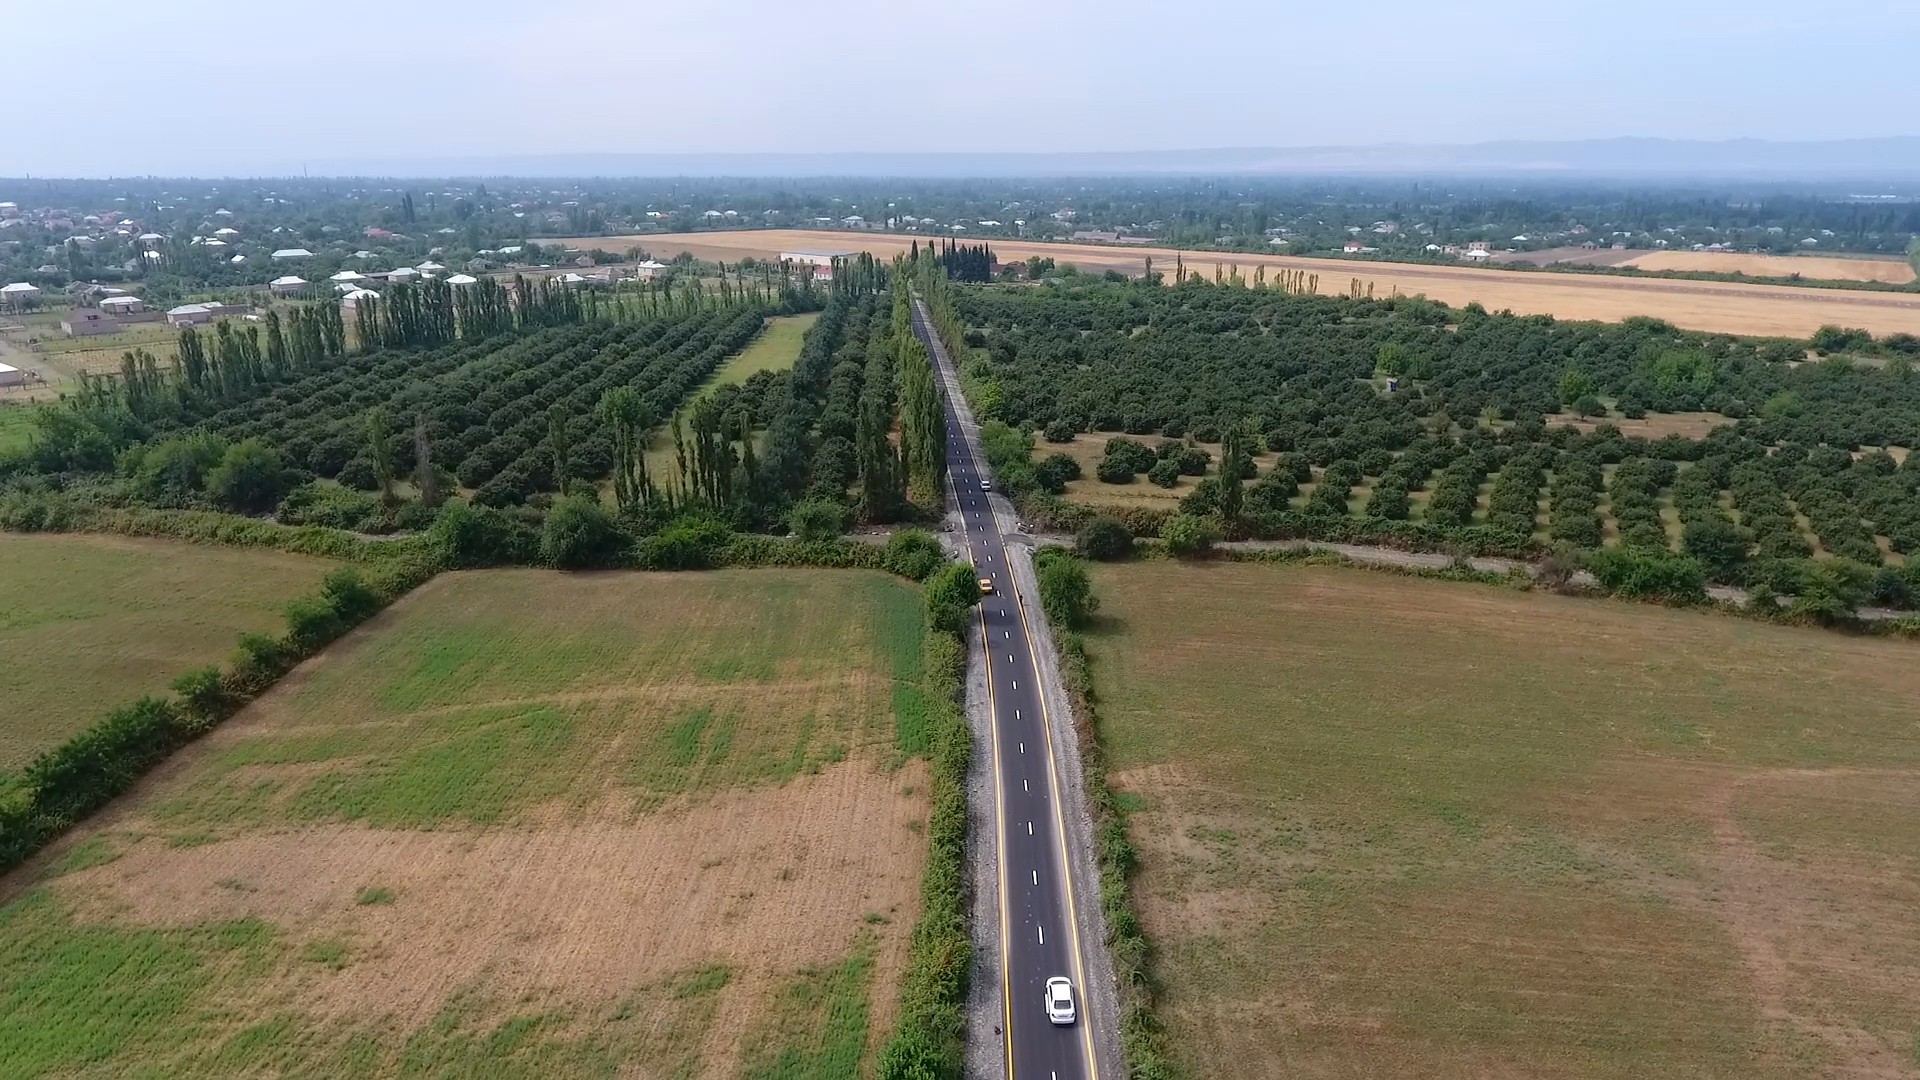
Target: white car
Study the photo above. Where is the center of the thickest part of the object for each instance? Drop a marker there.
(1060, 1000)
(986, 485)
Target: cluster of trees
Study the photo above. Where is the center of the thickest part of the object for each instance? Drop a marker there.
(1096, 356)
(1470, 439)
(960, 262)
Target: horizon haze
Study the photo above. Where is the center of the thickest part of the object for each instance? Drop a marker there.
(236, 90)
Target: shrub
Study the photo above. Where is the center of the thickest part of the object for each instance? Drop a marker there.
(1165, 473)
(311, 623)
(250, 477)
(1189, 536)
(950, 591)
(913, 553)
(174, 471)
(1115, 470)
(692, 543)
(1056, 470)
(1060, 431)
(204, 697)
(1066, 592)
(481, 536)
(579, 533)
(817, 519)
(1648, 574)
(1718, 545)
(84, 772)
(331, 506)
(1104, 538)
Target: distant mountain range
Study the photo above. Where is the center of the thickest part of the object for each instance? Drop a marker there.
(1896, 157)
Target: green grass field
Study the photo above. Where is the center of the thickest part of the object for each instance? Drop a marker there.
(16, 428)
(90, 623)
(776, 349)
(1401, 827)
(522, 824)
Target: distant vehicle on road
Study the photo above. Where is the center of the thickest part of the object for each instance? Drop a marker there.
(986, 586)
(986, 485)
(1060, 1000)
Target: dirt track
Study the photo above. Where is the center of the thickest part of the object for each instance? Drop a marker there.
(1720, 307)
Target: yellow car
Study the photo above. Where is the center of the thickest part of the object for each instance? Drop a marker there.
(986, 586)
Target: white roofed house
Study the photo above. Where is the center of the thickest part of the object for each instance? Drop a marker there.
(358, 297)
(189, 315)
(348, 275)
(462, 279)
(288, 285)
(403, 275)
(12, 376)
(648, 270)
(20, 294)
(286, 254)
(123, 305)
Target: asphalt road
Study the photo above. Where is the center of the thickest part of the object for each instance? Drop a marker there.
(1039, 934)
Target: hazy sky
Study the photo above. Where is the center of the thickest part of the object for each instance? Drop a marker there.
(224, 87)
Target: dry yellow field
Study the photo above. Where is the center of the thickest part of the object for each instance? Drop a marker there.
(1823, 267)
(1406, 828)
(1720, 307)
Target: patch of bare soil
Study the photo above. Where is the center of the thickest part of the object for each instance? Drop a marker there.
(766, 882)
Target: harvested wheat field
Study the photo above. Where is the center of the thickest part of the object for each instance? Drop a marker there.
(522, 824)
(1820, 267)
(1721, 307)
(90, 623)
(1396, 827)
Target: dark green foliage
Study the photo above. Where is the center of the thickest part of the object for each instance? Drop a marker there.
(817, 519)
(1104, 538)
(580, 534)
(1055, 471)
(1188, 536)
(1389, 500)
(1115, 470)
(250, 478)
(173, 472)
(473, 536)
(952, 590)
(1719, 546)
(1648, 574)
(1066, 592)
(913, 553)
(693, 543)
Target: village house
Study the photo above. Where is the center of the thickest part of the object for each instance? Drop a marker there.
(289, 285)
(286, 254)
(87, 322)
(20, 294)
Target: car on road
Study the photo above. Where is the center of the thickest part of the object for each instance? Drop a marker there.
(986, 485)
(1060, 1000)
(986, 586)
